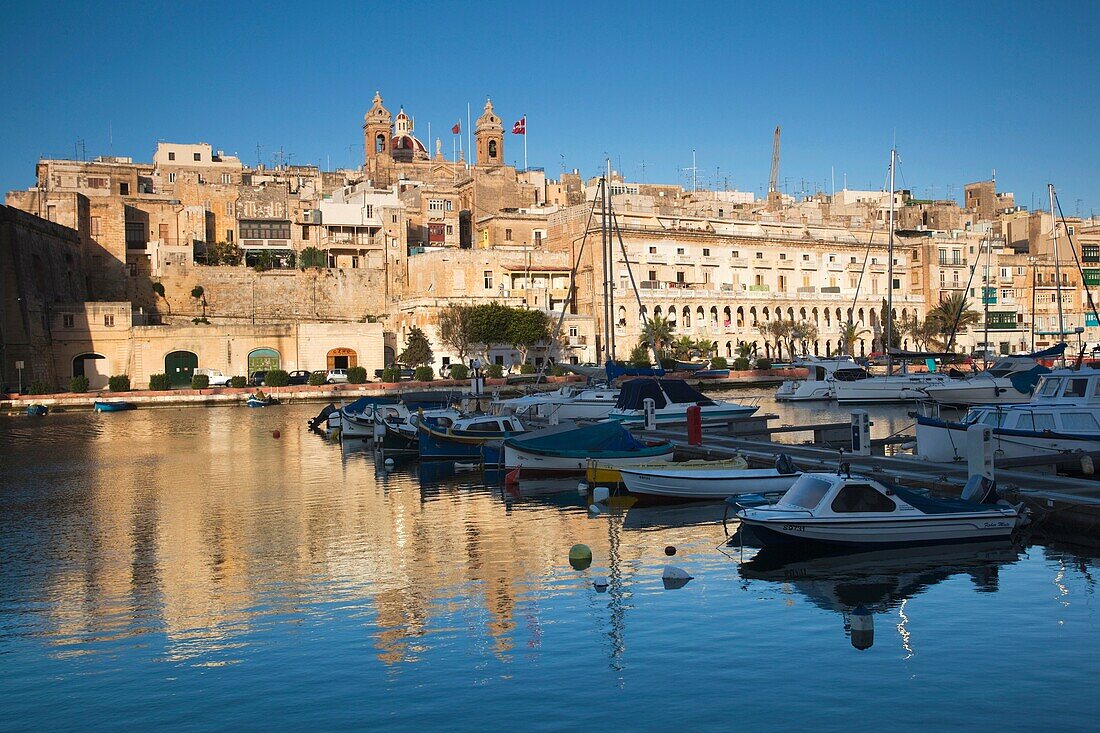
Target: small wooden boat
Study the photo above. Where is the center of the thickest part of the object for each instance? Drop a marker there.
(37, 410)
(601, 474)
(566, 449)
(444, 439)
(255, 401)
(705, 482)
(823, 512)
(118, 406)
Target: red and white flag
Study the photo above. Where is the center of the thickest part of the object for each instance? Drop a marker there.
(520, 128)
(457, 128)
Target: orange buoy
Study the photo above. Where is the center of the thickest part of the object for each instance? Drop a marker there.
(276, 434)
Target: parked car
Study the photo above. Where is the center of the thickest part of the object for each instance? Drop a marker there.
(298, 376)
(257, 379)
(217, 379)
(332, 376)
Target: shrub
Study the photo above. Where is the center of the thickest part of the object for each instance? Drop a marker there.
(159, 382)
(495, 371)
(277, 378)
(38, 387)
(558, 371)
(741, 364)
(459, 371)
(238, 382)
(78, 384)
(391, 374)
(357, 375)
(668, 363)
(119, 383)
(200, 381)
(526, 368)
(424, 374)
(316, 379)
(763, 363)
(719, 362)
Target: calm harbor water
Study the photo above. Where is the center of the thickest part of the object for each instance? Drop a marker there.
(184, 569)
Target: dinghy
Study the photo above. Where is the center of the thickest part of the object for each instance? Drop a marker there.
(117, 406)
(705, 482)
(826, 511)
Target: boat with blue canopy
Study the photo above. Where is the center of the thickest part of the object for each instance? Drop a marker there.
(567, 449)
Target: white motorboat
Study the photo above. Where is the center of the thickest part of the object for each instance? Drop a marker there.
(1063, 416)
(828, 511)
(567, 403)
(820, 376)
(1008, 381)
(703, 482)
(901, 387)
(671, 399)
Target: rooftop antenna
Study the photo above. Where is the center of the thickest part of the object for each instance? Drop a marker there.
(258, 158)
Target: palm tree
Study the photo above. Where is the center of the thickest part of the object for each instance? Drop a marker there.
(849, 334)
(925, 334)
(953, 315)
(658, 331)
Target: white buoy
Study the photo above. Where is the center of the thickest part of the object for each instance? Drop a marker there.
(863, 628)
(600, 583)
(674, 577)
(600, 494)
(388, 463)
(582, 488)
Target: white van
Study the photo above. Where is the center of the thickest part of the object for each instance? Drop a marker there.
(217, 379)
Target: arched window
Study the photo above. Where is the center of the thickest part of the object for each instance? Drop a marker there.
(380, 143)
(492, 148)
(262, 360)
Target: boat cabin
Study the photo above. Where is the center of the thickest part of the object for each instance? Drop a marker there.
(480, 424)
(830, 495)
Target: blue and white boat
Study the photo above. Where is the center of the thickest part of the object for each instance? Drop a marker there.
(671, 399)
(835, 512)
(37, 410)
(113, 406)
(1011, 380)
(566, 449)
(464, 439)
(1063, 416)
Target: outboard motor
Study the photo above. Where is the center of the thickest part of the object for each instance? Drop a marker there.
(322, 416)
(784, 465)
(980, 490)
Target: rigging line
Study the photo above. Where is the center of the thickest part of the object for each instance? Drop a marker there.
(866, 258)
(568, 296)
(634, 285)
(1073, 251)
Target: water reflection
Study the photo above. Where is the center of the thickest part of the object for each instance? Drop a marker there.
(878, 582)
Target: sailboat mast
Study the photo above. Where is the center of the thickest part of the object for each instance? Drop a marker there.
(610, 268)
(603, 265)
(986, 299)
(1057, 267)
(890, 271)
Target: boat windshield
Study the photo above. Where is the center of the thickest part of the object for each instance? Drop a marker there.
(806, 492)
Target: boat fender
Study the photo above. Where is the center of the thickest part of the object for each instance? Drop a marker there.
(593, 509)
(600, 495)
(582, 488)
(388, 463)
(600, 584)
(1088, 467)
(784, 465)
(863, 628)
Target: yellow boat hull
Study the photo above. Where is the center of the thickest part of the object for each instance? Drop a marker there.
(602, 474)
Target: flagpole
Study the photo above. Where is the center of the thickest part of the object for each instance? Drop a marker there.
(468, 143)
(525, 143)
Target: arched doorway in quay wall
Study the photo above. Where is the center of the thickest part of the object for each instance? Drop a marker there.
(262, 360)
(94, 367)
(342, 359)
(180, 367)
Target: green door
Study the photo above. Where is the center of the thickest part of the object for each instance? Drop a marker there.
(180, 367)
(263, 360)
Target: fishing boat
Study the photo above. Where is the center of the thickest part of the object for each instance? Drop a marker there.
(1063, 416)
(37, 410)
(396, 428)
(445, 439)
(821, 374)
(705, 482)
(712, 374)
(832, 511)
(671, 400)
(113, 406)
(691, 366)
(1010, 380)
(261, 400)
(566, 449)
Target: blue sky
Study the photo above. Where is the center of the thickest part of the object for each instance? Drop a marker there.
(964, 87)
